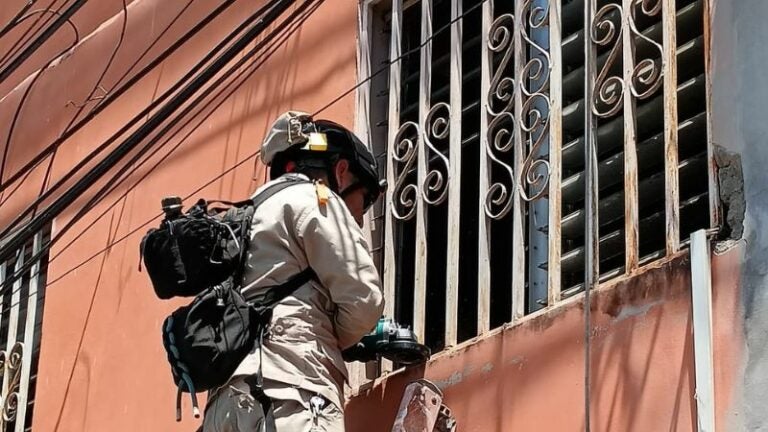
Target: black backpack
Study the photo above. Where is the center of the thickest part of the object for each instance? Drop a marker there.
(208, 339)
(202, 253)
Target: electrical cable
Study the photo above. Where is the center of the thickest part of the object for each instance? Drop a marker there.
(18, 238)
(52, 12)
(408, 53)
(152, 45)
(16, 114)
(33, 29)
(400, 57)
(16, 19)
(247, 74)
(144, 129)
(134, 164)
(119, 43)
(96, 86)
(6, 71)
(111, 97)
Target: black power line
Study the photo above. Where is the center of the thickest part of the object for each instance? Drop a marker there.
(16, 19)
(304, 10)
(18, 238)
(332, 102)
(32, 47)
(112, 96)
(61, 182)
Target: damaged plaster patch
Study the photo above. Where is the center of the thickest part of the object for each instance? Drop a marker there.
(634, 311)
(452, 380)
(487, 368)
(730, 177)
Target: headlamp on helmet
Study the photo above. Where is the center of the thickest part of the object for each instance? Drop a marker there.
(295, 136)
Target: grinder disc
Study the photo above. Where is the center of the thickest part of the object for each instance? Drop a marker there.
(406, 352)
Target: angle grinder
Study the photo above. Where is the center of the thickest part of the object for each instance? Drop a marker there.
(391, 341)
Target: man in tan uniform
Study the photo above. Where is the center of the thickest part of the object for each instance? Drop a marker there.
(315, 223)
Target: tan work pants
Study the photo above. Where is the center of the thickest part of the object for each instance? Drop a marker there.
(234, 409)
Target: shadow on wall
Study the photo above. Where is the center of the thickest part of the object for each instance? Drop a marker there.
(531, 376)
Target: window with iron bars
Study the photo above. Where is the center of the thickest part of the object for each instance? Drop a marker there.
(478, 123)
(21, 316)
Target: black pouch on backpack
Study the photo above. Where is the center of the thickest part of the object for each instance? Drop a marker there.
(191, 252)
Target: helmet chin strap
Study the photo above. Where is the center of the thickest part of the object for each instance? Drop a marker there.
(351, 188)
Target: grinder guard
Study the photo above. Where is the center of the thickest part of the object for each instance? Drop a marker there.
(391, 341)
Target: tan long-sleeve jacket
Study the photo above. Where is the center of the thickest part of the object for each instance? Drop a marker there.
(291, 231)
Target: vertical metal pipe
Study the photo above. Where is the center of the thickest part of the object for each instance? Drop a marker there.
(454, 179)
(425, 89)
(484, 222)
(591, 225)
(701, 293)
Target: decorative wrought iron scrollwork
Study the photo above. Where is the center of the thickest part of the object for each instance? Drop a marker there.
(534, 174)
(647, 73)
(498, 199)
(404, 152)
(501, 40)
(609, 90)
(10, 365)
(500, 136)
(536, 70)
(437, 127)
(534, 124)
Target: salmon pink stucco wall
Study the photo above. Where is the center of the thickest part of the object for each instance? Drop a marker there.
(530, 376)
(102, 366)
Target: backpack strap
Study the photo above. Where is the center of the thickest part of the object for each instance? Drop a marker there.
(275, 188)
(271, 295)
(260, 197)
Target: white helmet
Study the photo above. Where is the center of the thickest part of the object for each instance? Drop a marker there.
(296, 136)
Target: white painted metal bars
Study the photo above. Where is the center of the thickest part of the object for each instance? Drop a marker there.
(14, 352)
(672, 181)
(390, 262)
(454, 178)
(523, 89)
(29, 334)
(484, 223)
(591, 226)
(357, 371)
(518, 206)
(425, 89)
(631, 205)
(714, 195)
(390, 257)
(13, 317)
(555, 153)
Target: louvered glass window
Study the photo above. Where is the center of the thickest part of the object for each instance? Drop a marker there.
(479, 122)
